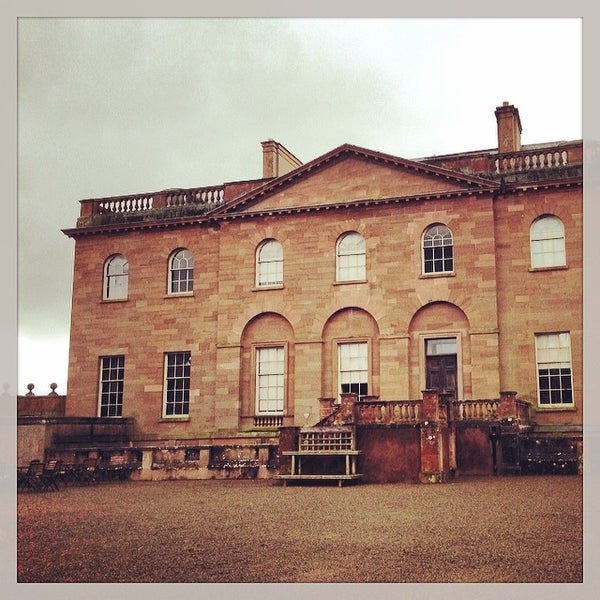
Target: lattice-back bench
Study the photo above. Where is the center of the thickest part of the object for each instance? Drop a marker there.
(324, 442)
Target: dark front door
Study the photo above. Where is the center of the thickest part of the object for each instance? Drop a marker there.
(441, 365)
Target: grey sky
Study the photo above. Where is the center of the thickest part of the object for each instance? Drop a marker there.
(116, 106)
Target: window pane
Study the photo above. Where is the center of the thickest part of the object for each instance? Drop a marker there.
(270, 380)
(353, 368)
(177, 383)
(181, 272)
(547, 240)
(269, 264)
(438, 250)
(554, 368)
(439, 346)
(116, 278)
(351, 258)
(112, 370)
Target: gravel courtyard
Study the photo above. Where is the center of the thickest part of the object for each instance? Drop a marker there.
(494, 529)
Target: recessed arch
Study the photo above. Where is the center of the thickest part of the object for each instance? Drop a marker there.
(351, 355)
(436, 329)
(267, 370)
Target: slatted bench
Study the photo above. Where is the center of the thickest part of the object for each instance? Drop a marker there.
(324, 442)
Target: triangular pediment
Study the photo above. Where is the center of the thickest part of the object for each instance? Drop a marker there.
(351, 174)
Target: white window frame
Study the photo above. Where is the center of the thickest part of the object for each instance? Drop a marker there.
(176, 388)
(351, 257)
(270, 379)
(553, 353)
(116, 278)
(111, 383)
(181, 261)
(269, 264)
(437, 236)
(547, 243)
(350, 371)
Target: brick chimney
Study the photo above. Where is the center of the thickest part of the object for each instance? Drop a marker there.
(509, 128)
(277, 159)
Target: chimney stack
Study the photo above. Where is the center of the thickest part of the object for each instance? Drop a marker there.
(509, 128)
(277, 159)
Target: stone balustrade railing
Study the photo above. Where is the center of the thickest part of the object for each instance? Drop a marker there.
(390, 412)
(122, 204)
(529, 161)
(268, 421)
(212, 196)
(432, 407)
(475, 410)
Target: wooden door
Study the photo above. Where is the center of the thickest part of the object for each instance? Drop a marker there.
(441, 374)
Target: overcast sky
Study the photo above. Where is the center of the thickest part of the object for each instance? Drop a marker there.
(117, 106)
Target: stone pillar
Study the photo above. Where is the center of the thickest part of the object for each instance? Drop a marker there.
(263, 462)
(146, 472)
(507, 409)
(348, 400)
(432, 469)
(159, 200)
(203, 462)
(431, 405)
(326, 405)
(510, 441)
(432, 442)
(88, 208)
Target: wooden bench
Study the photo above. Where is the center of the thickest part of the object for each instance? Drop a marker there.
(324, 442)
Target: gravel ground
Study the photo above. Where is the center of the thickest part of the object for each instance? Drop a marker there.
(494, 529)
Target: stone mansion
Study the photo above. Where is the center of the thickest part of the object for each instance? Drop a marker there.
(221, 316)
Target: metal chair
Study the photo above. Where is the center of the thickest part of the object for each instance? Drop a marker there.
(31, 479)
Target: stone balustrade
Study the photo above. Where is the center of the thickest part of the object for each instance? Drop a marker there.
(388, 413)
(211, 196)
(475, 410)
(432, 407)
(527, 161)
(268, 421)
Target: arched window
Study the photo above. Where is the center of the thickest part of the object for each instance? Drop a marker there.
(116, 276)
(547, 242)
(351, 258)
(438, 256)
(269, 264)
(181, 272)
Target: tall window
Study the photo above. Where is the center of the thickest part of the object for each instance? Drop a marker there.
(116, 276)
(112, 369)
(438, 255)
(181, 272)
(269, 264)
(270, 378)
(351, 258)
(353, 366)
(553, 355)
(547, 241)
(177, 384)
